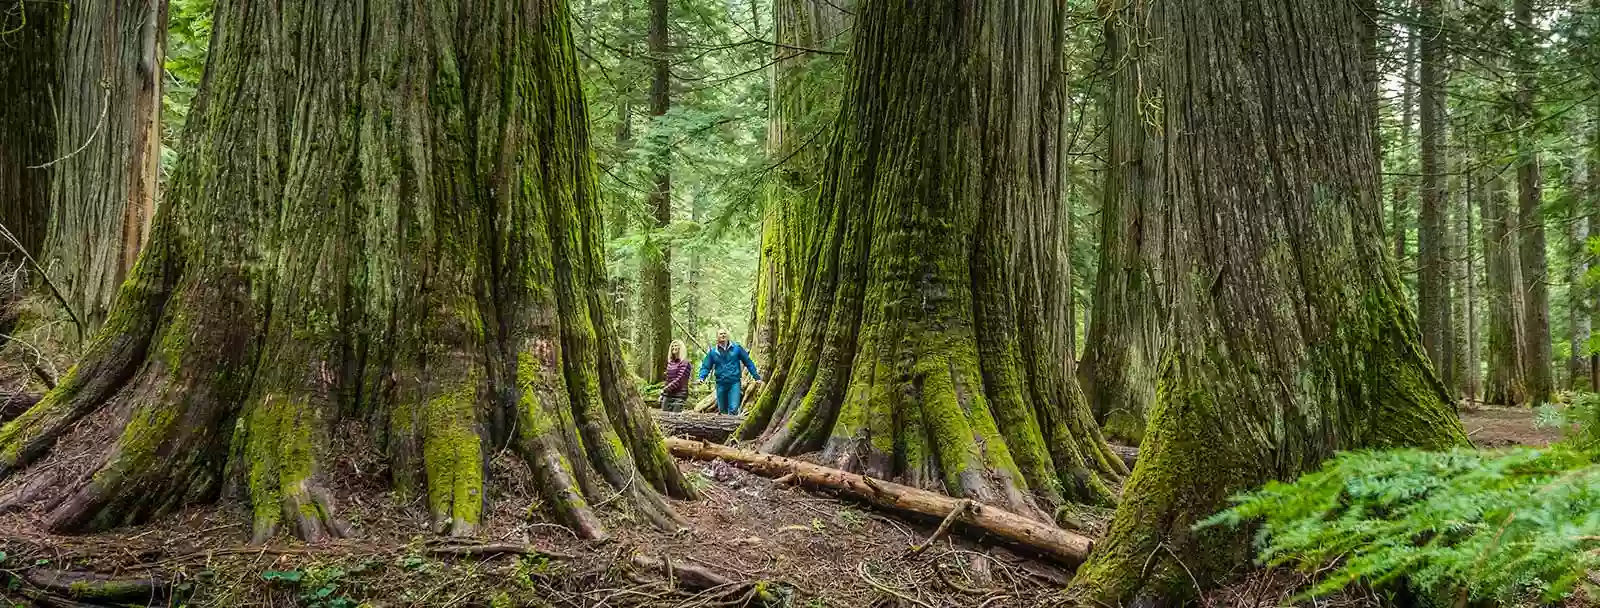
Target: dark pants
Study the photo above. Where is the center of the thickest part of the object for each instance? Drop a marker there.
(728, 397)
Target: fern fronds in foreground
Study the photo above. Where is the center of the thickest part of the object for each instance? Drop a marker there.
(1499, 525)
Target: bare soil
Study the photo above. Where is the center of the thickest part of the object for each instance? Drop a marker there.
(1490, 426)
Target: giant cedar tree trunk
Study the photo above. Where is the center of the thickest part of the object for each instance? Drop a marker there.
(31, 32)
(360, 231)
(1502, 280)
(655, 279)
(1433, 233)
(109, 137)
(1530, 199)
(1291, 338)
(1126, 334)
(804, 83)
(920, 351)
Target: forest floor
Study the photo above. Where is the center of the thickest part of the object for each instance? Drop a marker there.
(772, 541)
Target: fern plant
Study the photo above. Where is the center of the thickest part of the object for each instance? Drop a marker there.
(1507, 526)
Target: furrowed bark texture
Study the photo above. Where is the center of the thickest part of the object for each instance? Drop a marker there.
(1291, 336)
(1433, 232)
(805, 85)
(109, 139)
(31, 33)
(359, 230)
(1502, 280)
(920, 351)
(1126, 333)
(1531, 253)
(655, 279)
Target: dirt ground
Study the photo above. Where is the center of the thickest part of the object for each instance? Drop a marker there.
(1490, 427)
(773, 545)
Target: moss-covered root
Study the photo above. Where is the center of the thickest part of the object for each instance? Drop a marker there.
(169, 453)
(279, 440)
(1190, 465)
(110, 361)
(440, 439)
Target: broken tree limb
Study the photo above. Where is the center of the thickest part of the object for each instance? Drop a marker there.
(715, 428)
(944, 526)
(1048, 540)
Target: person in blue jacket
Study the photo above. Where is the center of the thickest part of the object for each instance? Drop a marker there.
(725, 358)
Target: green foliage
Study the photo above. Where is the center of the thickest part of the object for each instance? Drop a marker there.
(1509, 526)
(188, 38)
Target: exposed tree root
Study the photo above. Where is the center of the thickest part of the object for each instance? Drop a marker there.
(1048, 540)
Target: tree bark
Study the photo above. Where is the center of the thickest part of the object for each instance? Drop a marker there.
(1503, 282)
(655, 279)
(1126, 333)
(804, 85)
(430, 269)
(1401, 200)
(1530, 199)
(31, 35)
(109, 139)
(1291, 338)
(1472, 363)
(920, 351)
(1580, 295)
(1433, 234)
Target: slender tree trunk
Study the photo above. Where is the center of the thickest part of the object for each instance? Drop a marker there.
(921, 351)
(1401, 200)
(804, 87)
(691, 277)
(1291, 339)
(1536, 350)
(1579, 293)
(431, 269)
(1473, 387)
(622, 286)
(1126, 334)
(1462, 371)
(1433, 261)
(1504, 285)
(32, 33)
(109, 134)
(655, 277)
(1592, 205)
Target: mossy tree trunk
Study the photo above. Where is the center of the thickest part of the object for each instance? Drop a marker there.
(1433, 232)
(920, 350)
(805, 84)
(1291, 338)
(358, 231)
(1126, 333)
(1502, 281)
(109, 139)
(1531, 252)
(655, 278)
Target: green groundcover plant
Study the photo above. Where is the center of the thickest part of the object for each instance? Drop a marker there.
(1504, 525)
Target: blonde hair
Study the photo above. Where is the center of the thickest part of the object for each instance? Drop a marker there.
(675, 351)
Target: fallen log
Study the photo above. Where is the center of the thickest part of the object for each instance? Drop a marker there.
(1128, 454)
(95, 587)
(15, 404)
(715, 428)
(1046, 539)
